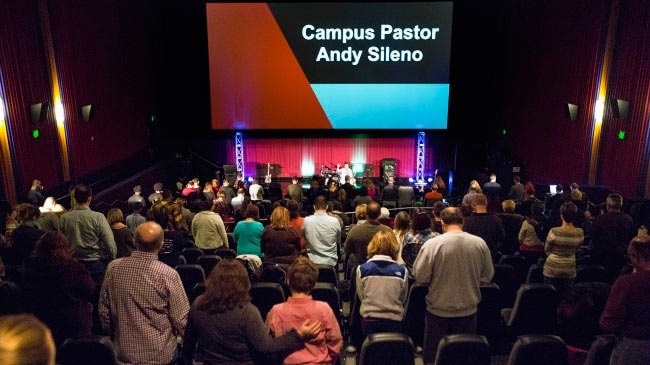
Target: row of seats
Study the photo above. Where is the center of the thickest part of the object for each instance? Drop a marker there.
(390, 348)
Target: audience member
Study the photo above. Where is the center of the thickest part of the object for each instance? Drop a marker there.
(58, 289)
(225, 328)
(121, 233)
(208, 229)
(419, 233)
(610, 234)
(436, 221)
(248, 233)
(492, 189)
(238, 200)
(295, 190)
(472, 191)
(389, 194)
(626, 313)
(532, 232)
(485, 225)
(24, 340)
(222, 208)
(322, 234)
(382, 286)
(296, 221)
(89, 234)
(362, 197)
(136, 197)
(23, 237)
(208, 192)
(511, 222)
(440, 183)
(35, 195)
(517, 190)
(405, 194)
(359, 236)
(280, 240)
(228, 190)
(326, 346)
(174, 210)
(136, 218)
(401, 226)
(561, 246)
(453, 265)
(142, 304)
(157, 193)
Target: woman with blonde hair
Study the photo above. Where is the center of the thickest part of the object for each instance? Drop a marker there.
(401, 226)
(121, 232)
(223, 325)
(24, 340)
(280, 241)
(382, 286)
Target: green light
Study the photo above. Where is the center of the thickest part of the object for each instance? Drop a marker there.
(504, 132)
(36, 133)
(621, 135)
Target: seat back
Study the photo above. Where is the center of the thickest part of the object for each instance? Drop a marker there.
(171, 258)
(88, 350)
(225, 253)
(488, 314)
(265, 295)
(538, 350)
(414, 312)
(463, 349)
(601, 350)
(354, 322)
(327, 274)
(192, 254)
(535, 310)
(208, 262)
(593, 273)
(387, 348)
(535, 274)
(198, 289)
(520, 265)
(191, 274)
(327, 292)
(505, 277)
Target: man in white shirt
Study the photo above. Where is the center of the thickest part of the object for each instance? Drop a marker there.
(256, 191)
(344, 171)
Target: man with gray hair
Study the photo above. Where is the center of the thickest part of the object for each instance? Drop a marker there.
(610, 234)
(453, 265)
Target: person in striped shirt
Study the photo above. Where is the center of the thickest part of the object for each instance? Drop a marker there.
(561, 246)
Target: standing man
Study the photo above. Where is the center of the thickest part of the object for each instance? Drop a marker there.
(157, 193)
(295, 190)
(208, 229)
(344, 171)
(89, 235)
(610, 234)
(453, 265)
(492, 189)
(35, 195)
(137, 197)
(323, 234)
(360, 235)
(143, 304)
(517, 190)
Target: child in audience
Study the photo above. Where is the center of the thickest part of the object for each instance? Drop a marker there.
(325, 348)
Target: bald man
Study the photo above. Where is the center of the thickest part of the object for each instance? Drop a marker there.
(142, 304)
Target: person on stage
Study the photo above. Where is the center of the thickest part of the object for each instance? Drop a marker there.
(344, 171)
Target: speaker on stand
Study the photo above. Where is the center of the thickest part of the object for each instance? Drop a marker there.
(230, 173)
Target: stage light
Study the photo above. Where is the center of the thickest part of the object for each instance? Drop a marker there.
(250, 179)
(59, 113)
(430, 179)
(2, 111)
(411, 180)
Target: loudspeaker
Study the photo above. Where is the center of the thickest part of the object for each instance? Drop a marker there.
(38, 112)
(620, 108)
(230, 173)
(86, 112)
(571, 111)
(388, 168)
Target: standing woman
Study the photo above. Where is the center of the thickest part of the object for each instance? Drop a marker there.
(280, 241)
(561, 246)
(248, 233)
(59, 289)
(296, 220)
(121, 232)
(414, 239)
(382, 286)
(224, 327)
(402, 224)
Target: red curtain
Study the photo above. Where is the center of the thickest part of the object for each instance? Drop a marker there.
(304, 156)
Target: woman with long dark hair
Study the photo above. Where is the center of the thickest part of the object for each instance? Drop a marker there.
(224, 327)
(59, 289)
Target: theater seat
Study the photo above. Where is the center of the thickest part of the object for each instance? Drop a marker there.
(539, 350)
(601, 350)
(535, 311)
(414, 313)
(463, 349)
(265, 295)
(387, 348)
(88, 350)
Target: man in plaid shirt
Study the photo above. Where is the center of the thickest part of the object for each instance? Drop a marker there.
(142, 303)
